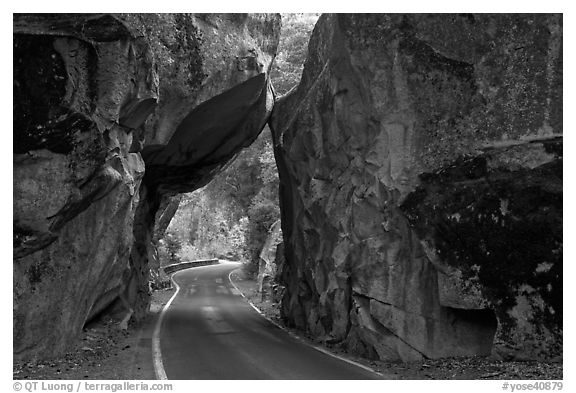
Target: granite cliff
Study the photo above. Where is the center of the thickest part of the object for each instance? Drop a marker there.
(105, 107)
(420, 161)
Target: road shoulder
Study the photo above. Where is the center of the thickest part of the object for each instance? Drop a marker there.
(476, 368)
(103, 352)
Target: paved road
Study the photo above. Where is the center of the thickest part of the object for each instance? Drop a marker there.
(210, 332)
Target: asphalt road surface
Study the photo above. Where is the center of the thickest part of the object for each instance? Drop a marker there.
(211, 332)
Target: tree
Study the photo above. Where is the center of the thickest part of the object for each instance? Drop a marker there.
(168, 249)
(292, 51)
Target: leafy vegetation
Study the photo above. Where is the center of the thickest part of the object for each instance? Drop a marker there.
(292, 51)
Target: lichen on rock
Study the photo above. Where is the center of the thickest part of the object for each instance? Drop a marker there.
(421, 186)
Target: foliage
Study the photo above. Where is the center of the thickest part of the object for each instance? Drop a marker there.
(168, 249)
(174, 44)
(292, 51)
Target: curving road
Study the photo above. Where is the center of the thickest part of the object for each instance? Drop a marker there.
(210, 332)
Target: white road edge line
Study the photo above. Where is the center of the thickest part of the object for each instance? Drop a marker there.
(156, 352)
(320, 349)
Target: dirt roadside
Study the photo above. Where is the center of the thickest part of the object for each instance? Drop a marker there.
(444, 369)
(104, 352)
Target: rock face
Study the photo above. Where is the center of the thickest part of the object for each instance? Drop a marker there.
(90, 92)
(267, 268)
(81, 85)
(420, 162)
(203, 124)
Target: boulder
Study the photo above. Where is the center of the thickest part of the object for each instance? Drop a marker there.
(420, 163)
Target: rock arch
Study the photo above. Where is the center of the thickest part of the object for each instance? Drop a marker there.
(413, 145)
